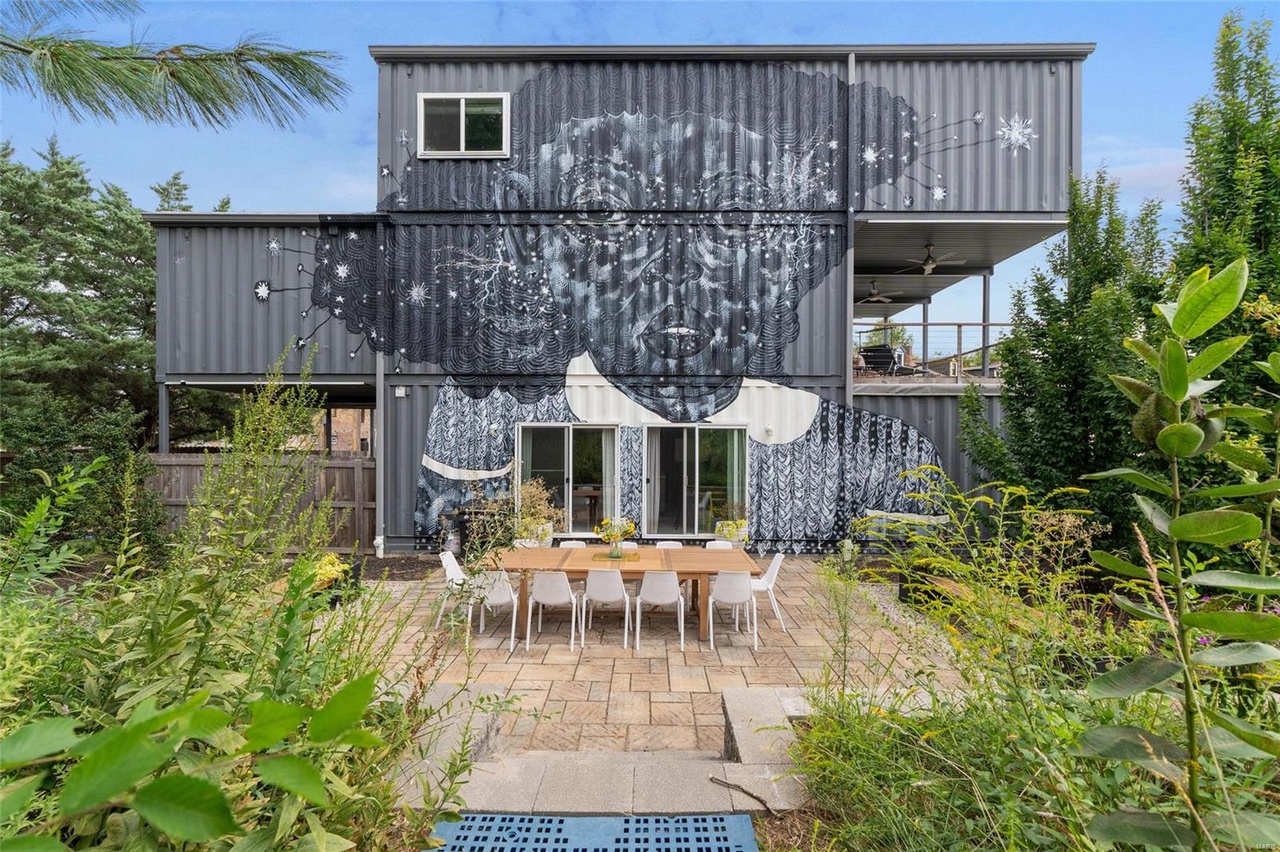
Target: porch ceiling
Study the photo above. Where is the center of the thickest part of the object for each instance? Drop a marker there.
(884, 245)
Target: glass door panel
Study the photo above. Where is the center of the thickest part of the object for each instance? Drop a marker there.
(592, 450)
(542, 456)
(670, 498)
(722, 463)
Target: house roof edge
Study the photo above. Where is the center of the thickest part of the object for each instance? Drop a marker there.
(438, 53)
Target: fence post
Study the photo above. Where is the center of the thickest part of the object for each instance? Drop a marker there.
(959, 353)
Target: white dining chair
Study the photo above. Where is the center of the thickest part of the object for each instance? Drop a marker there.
(719, 545)
(573, 543)
(660, 588)
(526, 543)
(765, 584)
(733, 588)
(551, 588)
(669, 545)
(455, 581)
(493, 590)
(604, 585)
(628, 545)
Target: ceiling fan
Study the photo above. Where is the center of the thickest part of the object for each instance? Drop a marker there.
(876, 296)
(928, 263)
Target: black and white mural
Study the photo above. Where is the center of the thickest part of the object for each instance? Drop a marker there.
(640, 259)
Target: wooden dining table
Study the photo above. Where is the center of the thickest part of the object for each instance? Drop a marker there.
(690, 563)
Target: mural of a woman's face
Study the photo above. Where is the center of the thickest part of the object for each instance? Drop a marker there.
(675, 312)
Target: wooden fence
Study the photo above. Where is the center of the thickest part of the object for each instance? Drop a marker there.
(349, 478)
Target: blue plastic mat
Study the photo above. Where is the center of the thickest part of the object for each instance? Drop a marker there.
(517, 833)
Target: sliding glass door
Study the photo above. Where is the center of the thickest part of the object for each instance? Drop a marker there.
(693, 472)
(578, 465)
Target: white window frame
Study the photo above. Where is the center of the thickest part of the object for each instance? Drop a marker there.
(606, 511)
(644, 467)
(423, 97)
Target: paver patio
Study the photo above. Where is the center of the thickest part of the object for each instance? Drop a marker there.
(608, 698)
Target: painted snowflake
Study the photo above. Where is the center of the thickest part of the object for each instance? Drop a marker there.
(870, 156)
(938, 193)
(417, 294)
(262, 291)
(342, 271)
(1015, 134)
(273, 246)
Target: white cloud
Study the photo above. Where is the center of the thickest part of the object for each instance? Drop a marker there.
(1143, 170)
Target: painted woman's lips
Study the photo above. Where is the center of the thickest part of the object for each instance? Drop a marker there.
(677, 332)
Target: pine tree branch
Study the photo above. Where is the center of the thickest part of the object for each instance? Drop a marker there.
(179, 84)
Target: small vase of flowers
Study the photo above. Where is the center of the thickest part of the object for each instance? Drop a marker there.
(734, 531)
(613, 531)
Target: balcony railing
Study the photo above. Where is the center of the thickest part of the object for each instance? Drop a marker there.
(956, 351)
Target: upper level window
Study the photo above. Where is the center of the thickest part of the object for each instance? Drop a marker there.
(464, 125)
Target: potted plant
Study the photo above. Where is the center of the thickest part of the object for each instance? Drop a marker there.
(536, 516)
(732, 523)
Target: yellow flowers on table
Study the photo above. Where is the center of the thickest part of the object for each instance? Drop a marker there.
(733, 530)
(612, 530)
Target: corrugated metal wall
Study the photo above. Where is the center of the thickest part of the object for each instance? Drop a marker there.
(210, 323)
(961, 107)
(936, 413)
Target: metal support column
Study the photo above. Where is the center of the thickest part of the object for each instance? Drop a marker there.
(378, 430)
(162, 439)
(924, 333)
(986, 326)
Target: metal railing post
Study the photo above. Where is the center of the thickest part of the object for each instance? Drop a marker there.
(986, 326)
(959, 353)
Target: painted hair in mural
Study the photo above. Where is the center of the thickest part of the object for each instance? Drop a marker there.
(667, 226)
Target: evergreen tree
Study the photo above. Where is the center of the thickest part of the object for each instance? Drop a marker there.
(172, 194)
(43, 54)
(1231, 190)
(223, 205)
(1063, 417)
(77, 303)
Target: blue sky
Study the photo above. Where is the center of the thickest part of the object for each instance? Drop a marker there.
(1152, 61)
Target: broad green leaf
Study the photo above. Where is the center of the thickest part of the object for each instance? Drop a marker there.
(204, 723)
(33, 844)
(37, 740)
(1167, 311)
(14, 798)
(1245, 829)
(186, 808)
(1218, 527)
(1242, 457)
(1236, 411)
(1137, 477)
(1200, 387)
(114, 766)
(1226, 745)
(1135, 609)
(1180, 440)
(1154, 514)
(1245, 626)
(343, 710)
(1202, 304)
(273, 721)
(1242, 489)
(1136, 745)
(1259, 738)
(1143, 350)
(1237, 581)
(1236, 654)
(1131, 679)
(296, 776)
(1125, 568)
(1215, 355)
(1158, 830)
(1271, 368)
(1173, 370)
(1136, 390)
